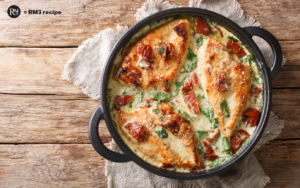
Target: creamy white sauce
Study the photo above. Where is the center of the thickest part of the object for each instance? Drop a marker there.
(200, 122)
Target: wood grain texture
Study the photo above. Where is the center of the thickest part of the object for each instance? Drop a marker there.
(82, 19)
(65, 119)
(78, 165)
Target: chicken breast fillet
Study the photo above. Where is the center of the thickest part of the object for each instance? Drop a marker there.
(178, 148)
(223, 79)
(155, 58)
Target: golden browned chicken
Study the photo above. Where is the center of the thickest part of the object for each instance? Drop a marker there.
(226, 83)
(155, 59)
(177, 148)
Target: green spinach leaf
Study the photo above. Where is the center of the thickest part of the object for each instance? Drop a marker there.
(225, 109)
(162, 133)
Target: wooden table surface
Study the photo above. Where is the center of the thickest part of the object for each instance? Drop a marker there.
(44, 120)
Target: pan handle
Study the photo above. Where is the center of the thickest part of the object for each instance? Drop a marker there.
(273, 42)
(97, 143)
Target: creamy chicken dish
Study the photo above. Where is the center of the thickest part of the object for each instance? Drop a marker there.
(185, 94)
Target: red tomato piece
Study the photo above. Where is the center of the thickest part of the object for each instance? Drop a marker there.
(237, 49)
(137, 130)
(211, 140)
(235, 142)
(168, 52)
(252, 116)
(146, 52)
(209, 153)
(191, 102)
(220, 82)
(255, 91)
(219, 30)
(243, 134)
(202, 27)
(121, 100)
(192, 82)
(165, 165)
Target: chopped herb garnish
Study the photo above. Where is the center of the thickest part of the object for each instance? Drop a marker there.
(232, 38)
(136, 89)
(117, 80)
(255, 79)
(201, 133)
(173, 169)
(109, 91)
(124, 91)
(225, 144)
(160, 96)
(167, 83)
(156, 110)
(200, 96)
(259, 73)
(184, 115)
(161, 50)
(139, 97)
(250, 61)
(192, 57)
(179, 85)
(130, 105)
(209, 113)
(172, 103)
(199, 42)
(155, 88)
(238, 125)
(162, 133)
(225, 109)
(196, 167)
(115, 124)
(214, 163)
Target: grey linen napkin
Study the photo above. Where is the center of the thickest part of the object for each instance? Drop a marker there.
(85, 68)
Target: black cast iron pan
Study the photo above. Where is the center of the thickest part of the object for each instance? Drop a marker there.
(245, 35)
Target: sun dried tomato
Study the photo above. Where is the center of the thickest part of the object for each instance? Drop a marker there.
(168, 52)
(137, 130)
(255, 91)
(252, 116)
(166, 165)
(209, 153)
(121, 100)
(220, 82)
(191, 102)
(237, 49)
(202, 27)
(243, 134)
(235, 142)
(146, 52)
(211, 140)
(192, 82)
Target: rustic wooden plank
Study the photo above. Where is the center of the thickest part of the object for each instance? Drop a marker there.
(65, 119)
(285, 104)
(280, 159)
(78, 165)
(35, 71)
(281, 18)
(47, 119)
(39, 70)
(83, 19)
(74, 165)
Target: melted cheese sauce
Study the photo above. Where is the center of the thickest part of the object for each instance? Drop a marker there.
(198, 122)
